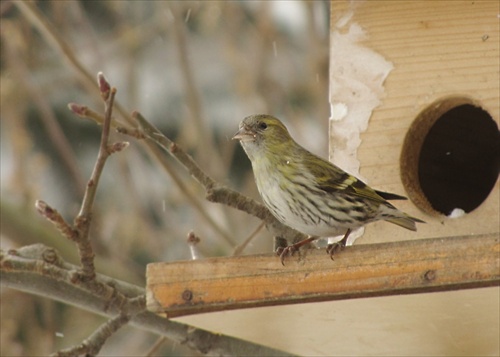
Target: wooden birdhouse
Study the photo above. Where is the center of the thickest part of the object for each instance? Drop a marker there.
(414, 94)
(415, 107)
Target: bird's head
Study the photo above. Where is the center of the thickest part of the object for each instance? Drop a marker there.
(261, 133)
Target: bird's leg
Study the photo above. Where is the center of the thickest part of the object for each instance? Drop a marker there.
(279, 244)
(331, 248)
(283, 252)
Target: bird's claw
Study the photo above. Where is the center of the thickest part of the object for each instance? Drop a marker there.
(283, 252)
(340, 245)
(333, 247)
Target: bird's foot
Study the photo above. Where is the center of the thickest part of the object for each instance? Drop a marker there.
(290, 250)
(333, 247)
(340, 245)
(284, 252)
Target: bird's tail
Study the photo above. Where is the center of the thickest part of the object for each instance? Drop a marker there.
(405, 221)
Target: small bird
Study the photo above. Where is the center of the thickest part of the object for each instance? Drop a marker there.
(308, 193)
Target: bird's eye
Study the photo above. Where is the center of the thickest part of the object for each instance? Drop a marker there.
(262, 125)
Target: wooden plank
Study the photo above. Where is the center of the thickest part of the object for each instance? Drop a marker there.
(216, 284)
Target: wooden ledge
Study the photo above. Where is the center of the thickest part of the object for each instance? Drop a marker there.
(409, 267)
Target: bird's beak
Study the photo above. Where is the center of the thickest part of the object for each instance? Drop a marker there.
(244, 134)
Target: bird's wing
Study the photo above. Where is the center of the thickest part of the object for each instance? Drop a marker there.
(350, 185)
(333, 179)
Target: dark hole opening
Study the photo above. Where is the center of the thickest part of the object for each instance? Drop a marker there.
(459, 161)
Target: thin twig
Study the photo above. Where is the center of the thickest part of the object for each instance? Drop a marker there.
(57, 219)
(90, 193)
(53, 38)
(172, 148)
(84, 217)
(85, 112)
(93, 344)
(156, 346)
(14, 225)
(240, 248)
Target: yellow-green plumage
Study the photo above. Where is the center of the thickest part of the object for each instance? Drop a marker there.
(306, 192)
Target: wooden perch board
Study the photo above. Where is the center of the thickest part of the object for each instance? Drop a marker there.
(419, 266)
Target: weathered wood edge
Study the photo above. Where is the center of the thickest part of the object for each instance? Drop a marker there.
(406, 267)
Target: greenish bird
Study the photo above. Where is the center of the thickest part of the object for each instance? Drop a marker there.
(308, 193)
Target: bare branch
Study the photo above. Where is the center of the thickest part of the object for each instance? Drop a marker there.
(84, 112)
(173, 149)
(55, 217)
(40, 270)
(80, 232)
(88, 199)
(84, 217)
(93, 344)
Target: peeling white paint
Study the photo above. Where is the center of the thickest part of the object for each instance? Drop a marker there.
(357, 75)
(338, 111)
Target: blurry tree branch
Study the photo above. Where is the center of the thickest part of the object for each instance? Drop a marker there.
(92, 345)
(204, 136)
(47, 115)
(52, 36)
(40, 270)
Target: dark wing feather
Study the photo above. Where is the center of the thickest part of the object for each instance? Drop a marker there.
(333, 179)
(390, 196)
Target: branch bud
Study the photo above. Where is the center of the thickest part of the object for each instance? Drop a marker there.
(118, 146)
(104, 86)
(80, 110)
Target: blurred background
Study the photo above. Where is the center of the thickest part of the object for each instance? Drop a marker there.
(193, 68)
